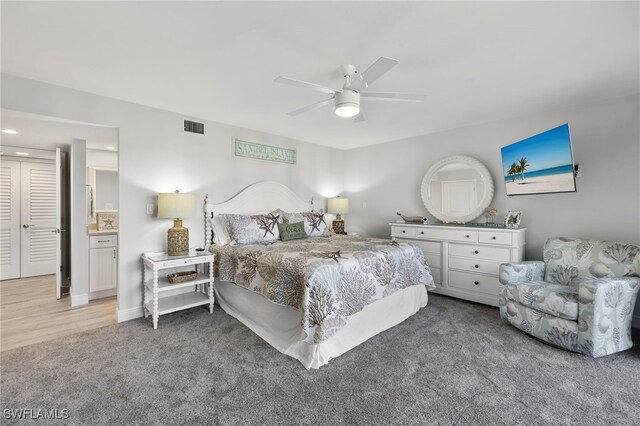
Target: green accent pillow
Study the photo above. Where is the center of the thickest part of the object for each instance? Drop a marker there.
(292, 231)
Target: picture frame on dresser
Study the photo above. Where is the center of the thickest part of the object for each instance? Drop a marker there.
(512, 219)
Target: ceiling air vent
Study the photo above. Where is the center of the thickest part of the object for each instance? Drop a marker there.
(193, 127)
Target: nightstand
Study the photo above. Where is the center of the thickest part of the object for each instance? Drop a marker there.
(155, 283)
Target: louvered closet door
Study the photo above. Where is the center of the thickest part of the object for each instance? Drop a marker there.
(38, 217)
(9, 219)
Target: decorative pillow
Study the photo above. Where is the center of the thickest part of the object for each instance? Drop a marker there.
(292, 231)
(314, 223)
(220, 234)
(257, 228)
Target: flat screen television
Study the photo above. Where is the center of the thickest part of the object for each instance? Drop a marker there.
(540, 164)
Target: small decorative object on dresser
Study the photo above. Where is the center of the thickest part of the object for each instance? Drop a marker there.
(512, 219)
(413, 219)
(489, 213)
(464, 260)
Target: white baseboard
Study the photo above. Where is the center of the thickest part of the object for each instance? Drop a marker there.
(79, 299)
(102, 293)
(636, 321)
(123, 315)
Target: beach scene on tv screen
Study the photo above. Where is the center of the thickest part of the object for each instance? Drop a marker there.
(539, 164)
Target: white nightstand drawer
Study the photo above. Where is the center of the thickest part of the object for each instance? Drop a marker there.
(403, 231)
(499, 238)
(497, 254)
(474, 265)
(184, 261)
(100, 241)
(463, 234)
(474, 282)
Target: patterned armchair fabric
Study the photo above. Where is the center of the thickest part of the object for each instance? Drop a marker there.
(581, 298)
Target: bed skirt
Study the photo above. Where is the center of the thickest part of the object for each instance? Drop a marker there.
(280, 325)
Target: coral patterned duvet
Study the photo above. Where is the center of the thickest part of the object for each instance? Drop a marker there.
(326, 278)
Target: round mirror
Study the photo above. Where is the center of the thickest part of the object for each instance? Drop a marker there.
(457, 189)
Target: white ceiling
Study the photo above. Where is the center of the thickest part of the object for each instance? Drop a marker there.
(476, 62)
(48, 134)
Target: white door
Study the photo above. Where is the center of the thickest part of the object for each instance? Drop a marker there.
(38, 219)
(9, 219)
(458, 197)
(58, 229)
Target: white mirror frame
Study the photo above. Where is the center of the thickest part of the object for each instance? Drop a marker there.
(484, 203)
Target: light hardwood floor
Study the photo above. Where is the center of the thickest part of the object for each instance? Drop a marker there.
(30, 313)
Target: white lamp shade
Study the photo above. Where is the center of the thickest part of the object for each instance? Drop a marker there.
(338, 205)
(176, 205)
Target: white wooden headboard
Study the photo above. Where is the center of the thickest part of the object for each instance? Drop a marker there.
(261, 197)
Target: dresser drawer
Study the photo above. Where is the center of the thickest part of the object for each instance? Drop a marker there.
(403, 231)
(433, 260)
(499, 238)
(100, 241)
(436, 273)
(497, 254)
(474, 282)
(434, 247)
(474, 265)
(462, 234)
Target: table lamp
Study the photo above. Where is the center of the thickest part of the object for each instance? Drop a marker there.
(176, 206)
(338, 206)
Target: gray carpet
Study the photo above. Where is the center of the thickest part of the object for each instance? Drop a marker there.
(454, 362)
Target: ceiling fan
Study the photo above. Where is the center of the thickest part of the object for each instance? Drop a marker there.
(347, 100)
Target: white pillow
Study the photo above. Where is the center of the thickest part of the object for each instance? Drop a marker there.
(220, 234)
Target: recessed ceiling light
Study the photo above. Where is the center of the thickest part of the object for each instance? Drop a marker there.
(22, 153)
(10, 131)
(111, 148)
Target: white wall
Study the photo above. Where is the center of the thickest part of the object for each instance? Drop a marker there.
(102, 158)
(606, 144)
(79, 242)
(156, 155)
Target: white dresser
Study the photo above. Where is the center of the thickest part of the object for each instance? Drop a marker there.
(465, 260)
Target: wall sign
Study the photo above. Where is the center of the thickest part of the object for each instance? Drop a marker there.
(260, 151)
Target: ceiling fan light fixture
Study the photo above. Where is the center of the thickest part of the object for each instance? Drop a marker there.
(347, 103)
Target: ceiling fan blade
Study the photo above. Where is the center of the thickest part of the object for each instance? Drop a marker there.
(300, 83)
(311, 107)
(375, 71)
(359, 118)
(391, 96)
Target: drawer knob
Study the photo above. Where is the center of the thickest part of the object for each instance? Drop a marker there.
(403, 231)
(467, 236)
(476, 266)
(476, 282)
(422, 232)
(476, 252)
(493, 238)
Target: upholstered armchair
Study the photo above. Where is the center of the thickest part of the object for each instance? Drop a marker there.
(581, 298)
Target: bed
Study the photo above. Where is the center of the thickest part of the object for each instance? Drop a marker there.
(314, 298)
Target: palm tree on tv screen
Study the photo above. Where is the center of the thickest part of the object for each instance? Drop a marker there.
(523, 166)
(514, 169)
